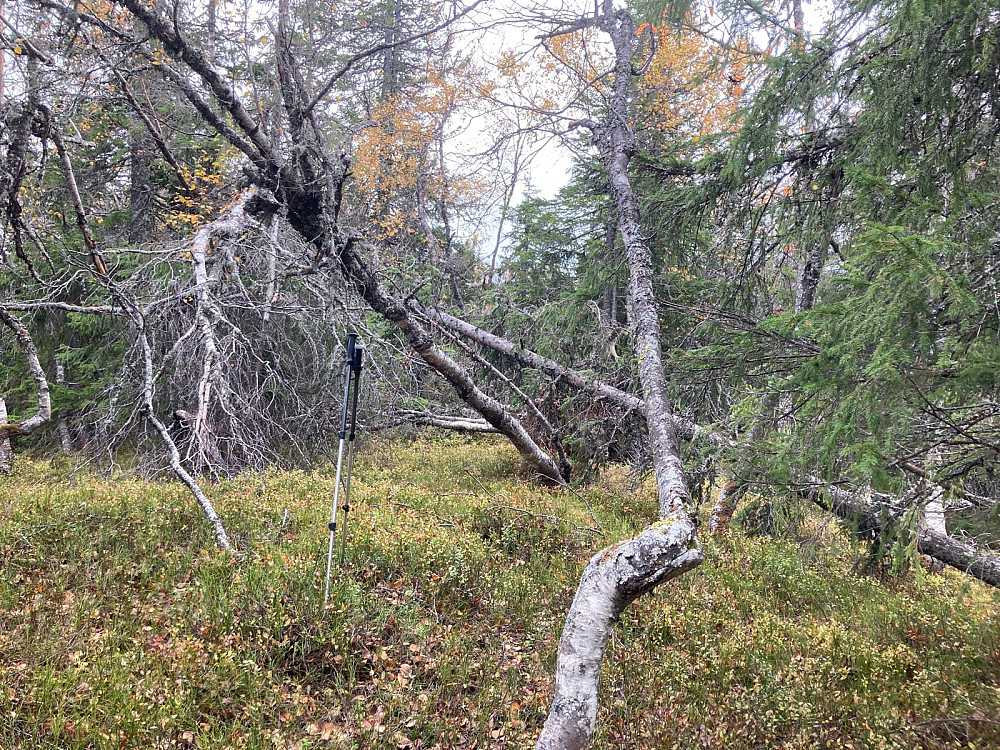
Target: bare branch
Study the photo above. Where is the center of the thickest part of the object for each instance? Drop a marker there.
(371, 51)
(44, 413)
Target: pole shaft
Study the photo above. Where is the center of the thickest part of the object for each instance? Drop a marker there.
(349, 367)
(333, 520)
(356, 367)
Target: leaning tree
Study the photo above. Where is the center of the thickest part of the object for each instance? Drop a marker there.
(286, 174)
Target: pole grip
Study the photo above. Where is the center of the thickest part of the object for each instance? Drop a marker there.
(352, 343)
(357, 354)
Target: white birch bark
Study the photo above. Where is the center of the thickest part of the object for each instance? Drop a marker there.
(613, 578)
(6, 451)
(44, 411)
(621, 573)
(934, 518)
(203, 450)
(65, 444)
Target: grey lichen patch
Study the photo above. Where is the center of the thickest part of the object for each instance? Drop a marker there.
(671, 531)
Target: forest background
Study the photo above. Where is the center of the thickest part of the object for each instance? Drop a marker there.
(771, 276)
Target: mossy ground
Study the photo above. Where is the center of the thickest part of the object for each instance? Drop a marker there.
(121, 625)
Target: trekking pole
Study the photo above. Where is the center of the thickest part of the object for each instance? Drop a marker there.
(359, 350)
(348, 372)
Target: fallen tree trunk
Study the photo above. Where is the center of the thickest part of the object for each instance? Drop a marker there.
(669, 547)
(44, 411)
(442, 421)
(959, 554)
(395, 311)
(312, 209)
(528, 358)
(685, 428)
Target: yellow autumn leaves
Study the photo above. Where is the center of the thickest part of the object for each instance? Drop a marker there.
(688, 88)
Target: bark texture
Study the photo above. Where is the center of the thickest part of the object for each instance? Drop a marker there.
(444, 422)
(621, 573)
(613, 578)
(616, 144)
(959, 554)
(808, 279)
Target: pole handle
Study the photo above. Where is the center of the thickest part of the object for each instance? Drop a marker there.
(352, 343)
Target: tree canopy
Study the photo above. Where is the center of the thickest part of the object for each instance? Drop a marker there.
(773, 267)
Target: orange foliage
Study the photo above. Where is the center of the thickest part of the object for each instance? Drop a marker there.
(398, 147)
(687, 89)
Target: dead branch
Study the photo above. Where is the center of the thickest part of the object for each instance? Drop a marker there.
(27, 346)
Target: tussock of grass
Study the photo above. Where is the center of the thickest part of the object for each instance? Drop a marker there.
(121, 626)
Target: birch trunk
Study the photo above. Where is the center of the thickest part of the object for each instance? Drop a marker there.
(616, 144)
(65, 443)
(613, 579)
(619, 574)
(6, 451)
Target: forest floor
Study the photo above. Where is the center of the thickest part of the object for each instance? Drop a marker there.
(122, 626)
